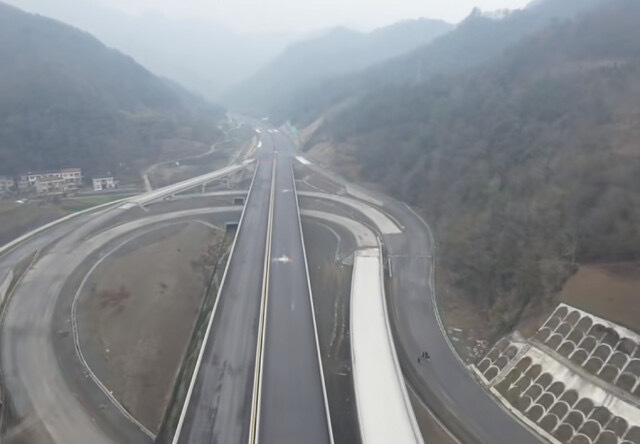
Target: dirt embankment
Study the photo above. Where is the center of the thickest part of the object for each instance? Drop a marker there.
(140, 305)
(611, 291)
(17, 219)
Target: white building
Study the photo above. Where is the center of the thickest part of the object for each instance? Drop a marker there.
(104, 183)
(50, 185)
(71, 179)
(6, 184)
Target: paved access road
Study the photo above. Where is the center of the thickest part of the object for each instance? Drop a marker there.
(54, 405)
(443, 382)
(219, 408)
(293, 406)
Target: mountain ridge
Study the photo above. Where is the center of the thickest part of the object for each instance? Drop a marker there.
(70, 100)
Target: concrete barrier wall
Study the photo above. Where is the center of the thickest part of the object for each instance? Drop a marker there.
(4, 286)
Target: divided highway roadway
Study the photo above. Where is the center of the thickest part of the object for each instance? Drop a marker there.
(293, 406)
(259, 376)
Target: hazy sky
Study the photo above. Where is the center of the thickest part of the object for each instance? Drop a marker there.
(306, 15)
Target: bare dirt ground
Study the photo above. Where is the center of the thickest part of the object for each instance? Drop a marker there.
(166, 174)
(468, 329)
(18, 219)
(611, 291)
(140, 305)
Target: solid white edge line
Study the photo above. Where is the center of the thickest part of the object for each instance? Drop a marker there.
(7, 248)
(183, 414)
(254, 426)
(396, 361)
(432, 282)
(313, 313)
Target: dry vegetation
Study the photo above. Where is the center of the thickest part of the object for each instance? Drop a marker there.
(140, 306)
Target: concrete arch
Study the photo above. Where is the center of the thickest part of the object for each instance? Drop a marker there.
(511, 352)
(633, 367)
(549, 422)
(593, 365)
(501, 362)
(618, 426)
(575, 418)
(611, 338)
(546, 400)
(544, 380)
(560, 409)
(513, 395)
(513, 375)
(588, 343)
(580, 439)
(524, 363)
(557, 389)
(566, 348)
(534, 371)
(609, 373)
(534, 391)
(564, 432)
(598, 331)
(579, 356)
(590, 429)
(523, 383)
(553, 322)
(564, 329)
(554, 341)
(573, 317)
(607, 437)
(603, 351)
(619, 360)
(584, 406)
(523, 403)
(483, 365)
(633, 435)
(491, 373)
(570, 397)
(542, 334)
(503, 387)
(626, 381)
(535, 412)
(601, 415)
(584, 325)
(493, 354)
(575, 336)
(502, 344)
(561, 312)
(626, 346)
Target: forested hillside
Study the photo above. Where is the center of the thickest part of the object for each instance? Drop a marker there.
(475, 41)
(67, 100)
(525, 166)
(338, 52)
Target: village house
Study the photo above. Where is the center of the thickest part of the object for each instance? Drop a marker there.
(7, 184)
(104, 183)
(47, 182)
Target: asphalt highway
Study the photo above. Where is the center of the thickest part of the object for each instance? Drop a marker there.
(293, 406)
(219, 408)
(55, 405)
(443, 382)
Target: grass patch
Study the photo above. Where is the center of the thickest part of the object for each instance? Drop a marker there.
(83, 203)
